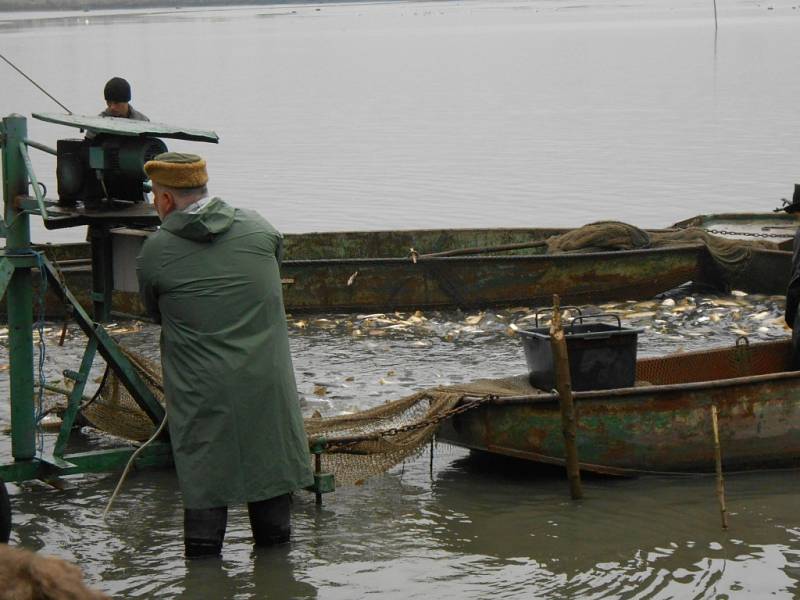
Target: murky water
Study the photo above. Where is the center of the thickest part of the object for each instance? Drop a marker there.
(454, 114)
(467, 528)
(451, 114)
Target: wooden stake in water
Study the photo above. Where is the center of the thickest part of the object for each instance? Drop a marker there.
(558, 343)
(718, 459)
(715, 15)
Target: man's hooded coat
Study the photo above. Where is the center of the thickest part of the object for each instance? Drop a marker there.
(211, 277)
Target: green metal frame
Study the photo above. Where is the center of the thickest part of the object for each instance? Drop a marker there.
(16, 264)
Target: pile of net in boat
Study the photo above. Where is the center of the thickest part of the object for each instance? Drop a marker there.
(356, 446)
(605, 236)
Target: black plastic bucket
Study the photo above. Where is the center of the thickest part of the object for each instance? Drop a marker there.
(601, 356)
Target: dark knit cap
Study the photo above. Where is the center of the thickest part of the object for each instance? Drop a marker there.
(117, 90)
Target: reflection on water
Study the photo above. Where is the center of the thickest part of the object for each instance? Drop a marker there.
(411, 114)
(468, 527)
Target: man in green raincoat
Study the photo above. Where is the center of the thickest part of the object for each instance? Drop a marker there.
(210, 276)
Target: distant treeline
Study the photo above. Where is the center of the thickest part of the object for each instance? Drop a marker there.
(7, 5)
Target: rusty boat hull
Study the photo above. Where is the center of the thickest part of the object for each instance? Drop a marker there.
(378, 271)
(663, 424)
(387, 284)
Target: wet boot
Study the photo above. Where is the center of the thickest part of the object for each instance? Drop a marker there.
(204, 530)
(269, 520)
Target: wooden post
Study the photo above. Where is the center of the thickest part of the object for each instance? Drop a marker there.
(563, 380)
(318, 470)
(718, 460)
(715, 16)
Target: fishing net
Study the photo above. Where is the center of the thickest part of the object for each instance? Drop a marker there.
(112, 408)
(356, 446)
(603, 236)
(731, 255)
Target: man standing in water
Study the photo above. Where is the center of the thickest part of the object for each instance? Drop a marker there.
(118, 101)
(210, 276)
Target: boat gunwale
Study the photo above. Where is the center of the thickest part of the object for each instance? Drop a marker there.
(696, 220)
(684, 248)
(625, 393)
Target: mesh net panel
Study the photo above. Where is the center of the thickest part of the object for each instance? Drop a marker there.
(115, 411)
(357, 446)
(370, 442)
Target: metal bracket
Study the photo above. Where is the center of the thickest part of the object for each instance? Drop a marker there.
(324, 483)
(74, 375)
(74, 403)
(6, 271)
(23, 149)
(108, 349)
(56, 461)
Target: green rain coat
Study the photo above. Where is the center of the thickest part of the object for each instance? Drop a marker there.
(211, 278)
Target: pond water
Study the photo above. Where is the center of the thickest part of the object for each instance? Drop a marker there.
(403, 115)
(467, 526)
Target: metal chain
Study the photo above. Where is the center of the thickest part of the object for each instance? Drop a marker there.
(749, 234)
(456, 410)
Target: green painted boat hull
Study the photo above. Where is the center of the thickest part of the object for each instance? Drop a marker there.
(664, 424)
(375, 271)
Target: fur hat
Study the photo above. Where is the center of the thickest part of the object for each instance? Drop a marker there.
(117, 90)
(177, 170)
(26, 576)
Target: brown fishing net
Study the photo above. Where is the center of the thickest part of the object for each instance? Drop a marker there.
(357, 446)
(605, 236)
(370, 442)
(113, 409)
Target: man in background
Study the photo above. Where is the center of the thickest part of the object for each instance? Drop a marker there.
(117, 93)
(210, 276)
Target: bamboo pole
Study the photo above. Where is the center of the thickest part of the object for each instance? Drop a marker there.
(718, 460)
(558, 343)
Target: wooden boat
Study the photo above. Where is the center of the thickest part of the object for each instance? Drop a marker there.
(377, 271)
(768, 270)
(663, 424)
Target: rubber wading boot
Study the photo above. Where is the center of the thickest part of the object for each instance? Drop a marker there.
(269, 520)
(5, 514)
(204, 530)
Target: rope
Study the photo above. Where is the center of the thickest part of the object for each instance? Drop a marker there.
(44, 91)
(153, 378)
(130, 463)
